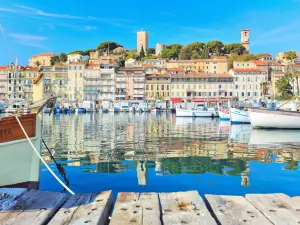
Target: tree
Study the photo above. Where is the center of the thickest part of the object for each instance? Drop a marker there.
(87, 52)
(214, 47)
(185, 53)
(132, 55)
(63, 57)
(54, 59)
(77, 52)
(264, 88)
(142, 52)
(235, 48)
(297, 75)
(283, 85)
(290, 56)
(237, 57)
(150, 57)
(108, 46)
(37, 63)
(261, 54)
(150, 51)
(172, 51)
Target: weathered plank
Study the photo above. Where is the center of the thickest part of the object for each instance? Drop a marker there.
(278, 208)
(68, 210)
(235, 210)
(127, 209)
(93, 209)
(34, 207)
(151, 209)
(184, 208)
(9, 195)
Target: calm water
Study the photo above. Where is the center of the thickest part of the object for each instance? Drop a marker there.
(162, 153)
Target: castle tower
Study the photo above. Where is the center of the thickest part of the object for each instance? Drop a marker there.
(245, 38)
(142, 40)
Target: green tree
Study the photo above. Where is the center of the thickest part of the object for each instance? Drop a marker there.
(142, 52)
(149, 57)
(264, 86)
(63, 57)
(214, 47)
(237, 57)
(185, 53)
(132, 55)
(283, 85)
(108, 46)
(37, 63)
(172, 51)
(291, 165)
(76, 51)
(150, 51)
(297, 75)
(87, 52)
(261, 54)
(54, 59)
(290, 56)
(234, 48)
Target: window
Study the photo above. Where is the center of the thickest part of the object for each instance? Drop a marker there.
(172, 93)
(199, 86)
(194, 86)
(215, 67)
(80, 75)
(215, 93)
(168, 94)
(167, 87)
(19, 88)
(151, 87)
(177, 86)
(225, 94)
(177, 94)
(189, 87)
(182, 86)
(207, 67)
(209, 93)
(157, 87)
(147, 87)
(162, 87)
(242, 94)
(236, 86)
(249, 94)
(182, 94)
(9, 88)
(220, 86)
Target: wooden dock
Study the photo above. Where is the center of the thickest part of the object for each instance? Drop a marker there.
(22, 206)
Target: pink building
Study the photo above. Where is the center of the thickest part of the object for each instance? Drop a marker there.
(3, 82)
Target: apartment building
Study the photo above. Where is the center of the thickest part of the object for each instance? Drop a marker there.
(75, 84)
(247, 83)
(157, 87)
(29, 74)
(15, 84)
(130, 84)
(3, 82)
(200, 87)
(43, 59)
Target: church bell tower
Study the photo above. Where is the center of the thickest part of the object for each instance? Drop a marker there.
(245, 38)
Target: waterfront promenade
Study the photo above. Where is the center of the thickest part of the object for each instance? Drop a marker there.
(20, 206)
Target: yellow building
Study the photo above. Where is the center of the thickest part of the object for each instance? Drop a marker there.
(217, 65)
(75, 86)
(157, 87)
(42, 59)
(29, 74)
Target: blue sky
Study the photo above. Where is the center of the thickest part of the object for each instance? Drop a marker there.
(35, 26)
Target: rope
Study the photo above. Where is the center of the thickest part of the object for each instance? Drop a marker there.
(8, 48)
(59, 167)
(38, 154)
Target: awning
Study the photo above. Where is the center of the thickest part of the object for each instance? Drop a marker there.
(176, 100)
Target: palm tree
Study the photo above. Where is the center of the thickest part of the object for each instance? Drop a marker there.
(297, 75)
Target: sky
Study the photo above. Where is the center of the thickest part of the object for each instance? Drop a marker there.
(37, 26)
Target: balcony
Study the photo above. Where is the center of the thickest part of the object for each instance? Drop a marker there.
(138, 86)
(119, 80)
(106, 90)
(92, 77)
(120, 86)
(139, 80)
(27, 89)
(90, 91)
(106, 84)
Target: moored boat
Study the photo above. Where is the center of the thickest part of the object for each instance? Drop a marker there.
(224, 114)
(21, 171)
(277, 119)
(184, 112)
(204, 112)
(155, 110)
(239, 116)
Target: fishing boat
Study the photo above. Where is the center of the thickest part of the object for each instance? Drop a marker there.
(239, 116)
(20, 165)
(184, 112)
(277, 119)
(199, 112)
(224, 114)
(88, 106)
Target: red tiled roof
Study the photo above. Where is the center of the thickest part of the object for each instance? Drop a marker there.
(242, 70)
(77, 63)
(3, 67)
(131, 69)
(258, 62)
(43, 54)
(148, 66)
(175, 69)
(159, 75)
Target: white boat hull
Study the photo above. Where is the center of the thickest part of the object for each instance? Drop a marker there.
(20, 166)
(224, 115)
(261, 118)
(204, 113)
(184, 112)
(114, 109)
(239, 116)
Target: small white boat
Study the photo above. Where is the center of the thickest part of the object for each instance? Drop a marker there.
(20, 107)
(2, 107)
(124, 108)
(224, 114)
(184, 112)
(278, 119)
(113, 108)
(89, 106)
(204, 112)
(239, 116)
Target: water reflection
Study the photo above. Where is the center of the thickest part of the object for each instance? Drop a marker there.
(148, 151)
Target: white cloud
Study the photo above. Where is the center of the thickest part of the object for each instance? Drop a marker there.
(30, 40)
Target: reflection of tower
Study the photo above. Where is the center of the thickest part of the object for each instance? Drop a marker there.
(246, 176)
(245, 38)
(141, 173)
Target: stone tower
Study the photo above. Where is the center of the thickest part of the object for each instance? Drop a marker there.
(142, 40)
(245, 38)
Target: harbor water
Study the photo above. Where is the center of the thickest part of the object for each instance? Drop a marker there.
(151, 152)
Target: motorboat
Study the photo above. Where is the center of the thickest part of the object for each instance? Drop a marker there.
(199, 112)
(113, 108)
(239, 116)
(277, 119)
(89, 106)
(224, 114)
(22, 171)
(155, 110)
(80, 110)
(184, 112)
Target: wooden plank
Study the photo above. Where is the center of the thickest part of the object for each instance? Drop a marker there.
(278, 208)
(93, 209)
(127, 209)
(235, 210)
(34, 207)
(9, 195)
(67, 211)
(184, 208)
(150, 208)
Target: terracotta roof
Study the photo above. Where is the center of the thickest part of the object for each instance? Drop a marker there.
(148, 66)
(77, 63)
(242, 70)
(131, 69)
(258, 62)
(200, 75)
(92, 64)
(43, 54)
(3, 67)
(158, 75)
(175, 69)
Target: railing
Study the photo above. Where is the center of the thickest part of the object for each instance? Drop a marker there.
(91, 91)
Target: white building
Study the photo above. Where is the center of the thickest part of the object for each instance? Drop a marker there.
(247, 83)
(107, 83)
(15, 84)
(74, 57)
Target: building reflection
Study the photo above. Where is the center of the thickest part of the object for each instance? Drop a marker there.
(175, 145)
